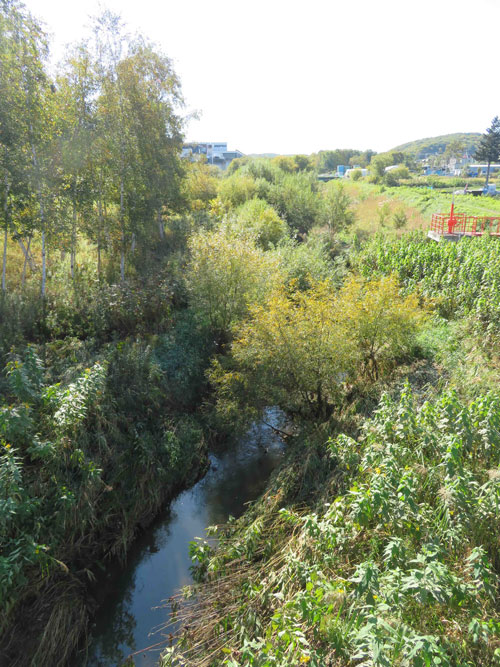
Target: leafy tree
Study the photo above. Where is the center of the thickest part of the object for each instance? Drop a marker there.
(330, 160)
(381, 321)
(225, 274)
(294, 197)
(11, 138)
(337, 208)
(393, 176)
(235, 190)
(302, 162)
(200, 184)
(152, 96)
(290, 353)
(379, 163)
(139, 96)
(259, 219)
(301, 349)
(76, 93)
(489, 146)
(263, 169)
(36, 129)
(363, 159)
(285, 163)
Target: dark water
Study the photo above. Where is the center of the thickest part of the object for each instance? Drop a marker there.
(158, 564)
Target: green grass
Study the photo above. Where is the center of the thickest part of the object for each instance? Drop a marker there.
(376, 206)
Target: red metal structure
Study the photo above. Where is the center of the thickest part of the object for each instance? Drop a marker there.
(461, 224)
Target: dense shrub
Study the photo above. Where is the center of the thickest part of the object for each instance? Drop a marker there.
(257, 219)
(225, 274)
(301, 350)
(396, 562)
(294, 197)
(81, 465)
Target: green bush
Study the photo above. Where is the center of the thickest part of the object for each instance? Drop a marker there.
(294, 196)
(259, 220)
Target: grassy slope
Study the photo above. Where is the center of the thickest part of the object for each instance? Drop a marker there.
(417, 203)
(438, 144)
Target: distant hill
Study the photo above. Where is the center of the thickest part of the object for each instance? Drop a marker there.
(422, 148)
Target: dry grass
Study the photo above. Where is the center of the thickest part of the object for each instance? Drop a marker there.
(370, 206)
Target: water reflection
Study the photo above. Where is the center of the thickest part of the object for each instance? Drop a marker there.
(158, 563)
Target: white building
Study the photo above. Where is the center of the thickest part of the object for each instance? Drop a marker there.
(215, 152)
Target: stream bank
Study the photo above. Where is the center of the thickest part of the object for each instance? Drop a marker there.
(133, 608)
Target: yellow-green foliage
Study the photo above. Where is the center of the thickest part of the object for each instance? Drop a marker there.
(293, 351)
(380, 320)
(225, 274)
(236, 190)
(259, 219)
(285, 163)
(200, 185)
(301, 349)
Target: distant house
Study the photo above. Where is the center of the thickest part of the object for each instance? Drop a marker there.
(215, 153)
(480, 169)
(349, 172)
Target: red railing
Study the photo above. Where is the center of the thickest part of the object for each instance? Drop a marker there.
(468, 225)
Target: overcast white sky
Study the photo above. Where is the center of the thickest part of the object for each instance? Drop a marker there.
(295, 77)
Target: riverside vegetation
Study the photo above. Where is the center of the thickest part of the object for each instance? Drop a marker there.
(150, 307)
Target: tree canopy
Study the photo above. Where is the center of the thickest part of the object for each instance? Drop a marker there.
(489, 146)
(97, 145)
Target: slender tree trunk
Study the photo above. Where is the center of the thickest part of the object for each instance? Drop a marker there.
(122, 257)
(161, 228)
(26, 252)
(42, 215)
(4, 259)
(26, 260)
(6, 232)
(44, 263)
(44, 249)
(73, 241)
(99, 245)
(487, 174)
(132, 247)
(99, 231)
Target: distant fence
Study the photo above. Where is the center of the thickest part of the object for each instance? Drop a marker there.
(468, 225)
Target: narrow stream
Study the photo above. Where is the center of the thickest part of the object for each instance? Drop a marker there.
(158, 563)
